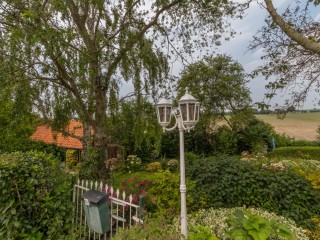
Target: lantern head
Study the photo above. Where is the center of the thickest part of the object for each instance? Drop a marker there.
(164, 108)
(189, 110)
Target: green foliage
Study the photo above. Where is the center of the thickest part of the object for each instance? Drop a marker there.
(190, 157)
(89, 167)
(201, 233)
(245, 225)
(218, 83)
(135, 127)
(170, 144)
(230, 182)
(151, 229)
(154, 167)
(71, 158)
(35, 197)
(303, 152)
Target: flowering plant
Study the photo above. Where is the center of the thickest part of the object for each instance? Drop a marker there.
(111, 164)
(173, 165)
(133, 163)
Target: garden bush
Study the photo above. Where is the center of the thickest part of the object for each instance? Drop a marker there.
(35, 199)
(133, 163)
(172, 165)
(230, 182)
(255, 136)
(303, 152)
(152, 229)
(154, 167)
(163, 195)
(310, 169)
(225, 140)
(161, 191)
(28, 145)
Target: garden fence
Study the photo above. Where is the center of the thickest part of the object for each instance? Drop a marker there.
(123, 210)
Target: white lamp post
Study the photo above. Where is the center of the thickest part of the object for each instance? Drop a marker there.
(186, 119)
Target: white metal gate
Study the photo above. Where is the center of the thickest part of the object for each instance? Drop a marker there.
(123, 212)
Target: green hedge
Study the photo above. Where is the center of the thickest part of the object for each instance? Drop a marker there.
(302, 152)
(229, 182)
(35, 197)
(28, 145)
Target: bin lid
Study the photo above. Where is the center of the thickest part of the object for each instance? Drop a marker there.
(94, 196)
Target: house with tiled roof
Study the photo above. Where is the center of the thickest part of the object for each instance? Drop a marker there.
(45, 134)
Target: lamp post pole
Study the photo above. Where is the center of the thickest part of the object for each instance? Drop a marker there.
(183, 187)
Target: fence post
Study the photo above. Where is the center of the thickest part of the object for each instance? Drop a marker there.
(141, 205)
(73, 182)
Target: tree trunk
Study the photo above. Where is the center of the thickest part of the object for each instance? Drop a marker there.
(100, 140)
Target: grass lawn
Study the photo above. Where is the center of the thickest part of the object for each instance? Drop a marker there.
(301, 126)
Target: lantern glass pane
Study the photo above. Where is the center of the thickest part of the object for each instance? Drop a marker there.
(192, 107)
(197, 112)
(161, 114)
(183, 109)
(168, 114)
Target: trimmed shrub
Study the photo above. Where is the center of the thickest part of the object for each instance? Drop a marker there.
(230, 182)
(35, 197)
(303, 152)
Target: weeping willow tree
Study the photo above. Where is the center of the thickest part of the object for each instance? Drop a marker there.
(77, 54)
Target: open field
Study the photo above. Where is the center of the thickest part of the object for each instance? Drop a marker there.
(301, 126)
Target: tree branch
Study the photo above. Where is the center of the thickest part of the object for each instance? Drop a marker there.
(290, 31)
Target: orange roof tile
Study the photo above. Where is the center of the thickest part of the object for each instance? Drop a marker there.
(45, 134)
